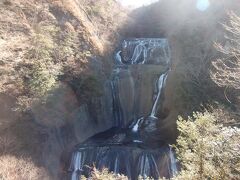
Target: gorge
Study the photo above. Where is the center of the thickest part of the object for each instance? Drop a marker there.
(96, 89)
(134, 146)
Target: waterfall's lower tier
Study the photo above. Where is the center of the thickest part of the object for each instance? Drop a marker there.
(132, 161)
(126, 151)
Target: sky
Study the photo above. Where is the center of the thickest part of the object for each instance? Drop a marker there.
(136, 3)
(201, 5)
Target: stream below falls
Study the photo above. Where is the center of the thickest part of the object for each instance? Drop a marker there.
(134, 146)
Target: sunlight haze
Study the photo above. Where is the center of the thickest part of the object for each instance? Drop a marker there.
(136, 3)
(201, 5)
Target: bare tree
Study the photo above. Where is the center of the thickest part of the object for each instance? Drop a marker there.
(226, 71)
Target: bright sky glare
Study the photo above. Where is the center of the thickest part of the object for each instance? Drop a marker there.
(136, 3)
(202, 5)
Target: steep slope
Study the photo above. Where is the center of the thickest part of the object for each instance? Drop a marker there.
(53, 65)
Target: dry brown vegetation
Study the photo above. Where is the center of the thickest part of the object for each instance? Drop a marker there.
(104, 174)
(13, 168)
(227, 69)
(41, 41)
(49, 53)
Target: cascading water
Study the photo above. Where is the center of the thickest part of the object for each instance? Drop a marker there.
(160, 85)
(173, 162)
(133, 147)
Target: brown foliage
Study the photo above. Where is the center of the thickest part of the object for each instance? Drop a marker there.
(12, 168)
(226, 71)
(105, 175)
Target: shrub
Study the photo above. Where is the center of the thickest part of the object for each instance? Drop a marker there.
(43, 78)
(207, 150)
(66, 45)
(226, 72)
(104, 175)
(44, 72)
(43, 42)
(12, 168)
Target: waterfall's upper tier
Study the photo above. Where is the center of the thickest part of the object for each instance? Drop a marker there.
(144, 51)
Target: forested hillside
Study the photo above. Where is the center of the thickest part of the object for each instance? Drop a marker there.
(55, 56)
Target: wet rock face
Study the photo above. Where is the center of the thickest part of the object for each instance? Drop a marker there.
(134, 91)
(150, 133)
(135, 146)
(89, 119)
(150, 125)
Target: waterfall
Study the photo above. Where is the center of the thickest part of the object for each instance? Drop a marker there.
(76, 164)
(118, 58)
(136, 126)
(128, 148)
(160, 85)
(115, 158)
(147, 166)
(116, 108)
(116, 165)
(139, 49)
(173, 162)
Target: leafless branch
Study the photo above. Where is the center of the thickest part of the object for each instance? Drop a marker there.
(226, 71)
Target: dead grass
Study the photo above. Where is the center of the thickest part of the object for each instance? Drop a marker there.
(19, 19)
(73, 7)
(12, 168)
(8, 144)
